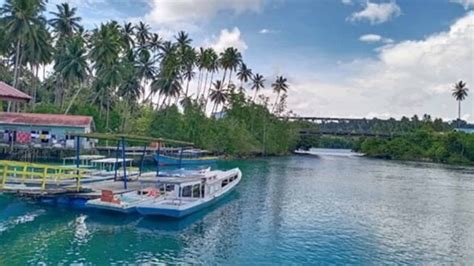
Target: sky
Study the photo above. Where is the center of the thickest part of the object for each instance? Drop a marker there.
(342, 58)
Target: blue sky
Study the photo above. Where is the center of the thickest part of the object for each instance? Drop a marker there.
(354, 58)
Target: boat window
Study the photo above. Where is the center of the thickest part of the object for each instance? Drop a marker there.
(186, 191)
(196, 191)
(225, 182)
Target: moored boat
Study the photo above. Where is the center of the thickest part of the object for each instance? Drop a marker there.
(186, 195)
(186, 157)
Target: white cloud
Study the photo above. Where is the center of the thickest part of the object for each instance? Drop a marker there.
(406, 78)
(228, 38)
(169, 12)
(377, 13)
(372, 38)
(465, 3)
(267, 31)
(347, 2)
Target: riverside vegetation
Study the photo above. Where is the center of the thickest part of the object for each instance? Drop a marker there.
(131, 80)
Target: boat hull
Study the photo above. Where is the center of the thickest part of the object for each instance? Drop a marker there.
(168, 160)
(150, 209)
(179, 213)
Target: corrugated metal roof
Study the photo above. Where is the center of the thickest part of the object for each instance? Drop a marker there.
(9, 93)
(45, 119)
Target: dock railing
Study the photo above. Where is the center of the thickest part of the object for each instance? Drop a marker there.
(38, 174)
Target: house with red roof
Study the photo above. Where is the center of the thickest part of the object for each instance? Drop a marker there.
(44, 129)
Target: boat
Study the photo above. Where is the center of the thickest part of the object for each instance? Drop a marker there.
(186, 157)
(182, 172)
(183, 196)
(125, 202)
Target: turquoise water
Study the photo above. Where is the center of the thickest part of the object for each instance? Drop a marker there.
(291, 210)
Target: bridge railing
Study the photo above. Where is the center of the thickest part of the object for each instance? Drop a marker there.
(38, 175)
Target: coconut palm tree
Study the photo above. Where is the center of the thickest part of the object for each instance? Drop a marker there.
(211, 66)
(279, 86)
(229, 60)
(218, 95)
(38, 51)
(244, 75)
(142, 33)
(460, 93)
(71, 65)
(65, 22)
(19, 16)
(154, 43)
(128, 31)
(188, 60)
(257, 84)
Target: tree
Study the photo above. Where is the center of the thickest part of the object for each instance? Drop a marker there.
(279, 86)
(142, 33)
(20, 16)
(72, 66)
(230, 59)
(244, 75)
(257, 84)
(65, 22)
(460, 93)
(218, 95)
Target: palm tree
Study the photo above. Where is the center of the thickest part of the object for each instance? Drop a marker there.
(244, 75)
(218, 95)
(19, 18)
(168, 80)
(142, 33)
(71, 65)
(460, 93)
(65, 23)
(38, 51)
(154, 43)
(128, 30)
(188, 61)
(279, 86)
(257, 84)
(229, 60)
(211, 66)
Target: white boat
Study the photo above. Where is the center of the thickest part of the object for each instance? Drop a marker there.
(125, 202)
(185, 195)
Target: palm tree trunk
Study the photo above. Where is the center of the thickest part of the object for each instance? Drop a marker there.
(230, 76)
(223, 78)
(17, 63)
(459, 110)
(205, 83)
(73, 99)
(459, 114)
(187, 89)
(199, 84)
(255, 96)
(276, 101)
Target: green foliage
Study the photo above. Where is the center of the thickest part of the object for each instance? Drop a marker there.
(423, 145)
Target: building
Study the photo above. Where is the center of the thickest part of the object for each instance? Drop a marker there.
(44, 129)
(10, 94)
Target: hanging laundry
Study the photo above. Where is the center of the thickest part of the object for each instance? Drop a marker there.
(23, 137)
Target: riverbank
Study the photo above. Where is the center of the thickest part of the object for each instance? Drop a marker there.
(422, 145)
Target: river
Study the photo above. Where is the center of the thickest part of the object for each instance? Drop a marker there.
(287, 210)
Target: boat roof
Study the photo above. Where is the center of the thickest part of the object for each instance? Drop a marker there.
(111, 160)
(174, 180)
(85, 157)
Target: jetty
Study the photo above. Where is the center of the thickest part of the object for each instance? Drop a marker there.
(84, 177)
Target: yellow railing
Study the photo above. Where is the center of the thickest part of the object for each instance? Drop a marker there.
(38, 173)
